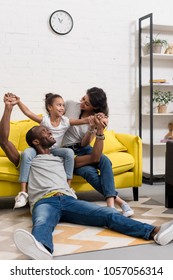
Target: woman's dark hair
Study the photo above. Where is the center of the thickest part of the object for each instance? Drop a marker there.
(49, 98)
(98, 100)
(30, 136)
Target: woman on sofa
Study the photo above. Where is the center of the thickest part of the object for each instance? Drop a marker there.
(78, 138)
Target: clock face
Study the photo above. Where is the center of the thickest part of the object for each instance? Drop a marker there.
(61, 22)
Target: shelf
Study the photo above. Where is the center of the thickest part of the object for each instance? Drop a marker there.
(159, 173)
(160, 56)
(154, 144)
(157, 114)
(158, 27)
(159, 84)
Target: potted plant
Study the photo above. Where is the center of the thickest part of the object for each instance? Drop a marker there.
(162, 98)
(157, 45)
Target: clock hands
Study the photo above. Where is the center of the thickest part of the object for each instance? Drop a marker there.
(60, 20)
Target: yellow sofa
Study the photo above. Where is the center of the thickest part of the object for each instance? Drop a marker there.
(124, 151)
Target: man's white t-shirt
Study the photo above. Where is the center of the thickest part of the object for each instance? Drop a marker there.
(47, 174)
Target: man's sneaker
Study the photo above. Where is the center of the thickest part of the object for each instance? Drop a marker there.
(21, 199)
(127, 211)
(165, 234)
(29, 246)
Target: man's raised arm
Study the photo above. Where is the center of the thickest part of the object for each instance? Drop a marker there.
(7, 146)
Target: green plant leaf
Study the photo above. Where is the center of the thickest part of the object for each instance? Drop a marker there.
(162, 97)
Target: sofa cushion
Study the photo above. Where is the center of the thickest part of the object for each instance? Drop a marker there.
(8, 171)
(18, 130)
(111, 143)
(121, 162)
(13, 137)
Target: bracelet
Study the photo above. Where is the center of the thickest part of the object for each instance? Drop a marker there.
(101, 137)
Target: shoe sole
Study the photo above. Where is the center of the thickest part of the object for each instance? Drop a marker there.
(19, 203)
(129, 214)
(167, 234)
(27, 244)
(19, 206)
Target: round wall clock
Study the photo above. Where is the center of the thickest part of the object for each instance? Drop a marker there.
(61, 22)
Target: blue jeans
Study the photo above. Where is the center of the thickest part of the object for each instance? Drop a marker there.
(48, 212)
(103, 181)
(29, 153)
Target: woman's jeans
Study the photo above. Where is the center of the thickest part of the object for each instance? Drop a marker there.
(103, 181)
(29, 153)
(48, 212)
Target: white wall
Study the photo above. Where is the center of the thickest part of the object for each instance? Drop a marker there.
(101, 50)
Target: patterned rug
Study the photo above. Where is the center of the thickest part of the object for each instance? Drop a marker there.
(72, 239)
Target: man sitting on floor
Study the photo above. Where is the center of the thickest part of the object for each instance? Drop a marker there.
(52, 200)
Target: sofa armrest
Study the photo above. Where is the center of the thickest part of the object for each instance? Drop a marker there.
(133, 144)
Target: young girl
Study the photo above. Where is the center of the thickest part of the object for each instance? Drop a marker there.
(78, 139)
(58, 124)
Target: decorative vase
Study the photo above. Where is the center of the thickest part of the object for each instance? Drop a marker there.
(162, 108)
(157, 48)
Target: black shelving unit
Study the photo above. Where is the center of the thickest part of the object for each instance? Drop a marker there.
(152, 125)
(148, 17)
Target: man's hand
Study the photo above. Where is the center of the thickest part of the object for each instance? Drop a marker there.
(102, 119)
(101, 122)
(11, 99)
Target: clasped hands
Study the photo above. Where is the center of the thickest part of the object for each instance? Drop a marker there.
(98, 120)
(10, 98)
